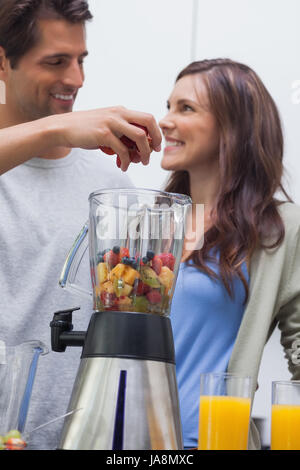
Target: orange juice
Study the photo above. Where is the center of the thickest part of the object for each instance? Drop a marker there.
(223, 423)
(285, 427)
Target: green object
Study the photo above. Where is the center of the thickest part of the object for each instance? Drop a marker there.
(149, 277)
(140, 304)
(14, 433)
(118, 286)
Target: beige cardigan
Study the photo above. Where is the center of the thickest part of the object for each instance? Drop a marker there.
(274, 299)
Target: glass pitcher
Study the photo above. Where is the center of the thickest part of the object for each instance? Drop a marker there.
(135, 245)
(18, 365)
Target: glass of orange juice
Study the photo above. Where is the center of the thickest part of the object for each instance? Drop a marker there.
(224, 411)
(285, 415)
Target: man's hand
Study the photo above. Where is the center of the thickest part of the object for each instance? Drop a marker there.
(105, 127)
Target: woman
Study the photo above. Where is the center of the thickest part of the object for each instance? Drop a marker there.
(224, 146)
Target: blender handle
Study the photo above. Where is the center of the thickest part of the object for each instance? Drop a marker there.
(73, 260)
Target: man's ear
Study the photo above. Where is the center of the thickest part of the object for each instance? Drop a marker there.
(4, 62)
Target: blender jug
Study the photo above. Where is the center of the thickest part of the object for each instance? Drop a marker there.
(126, 389)
(18, 365)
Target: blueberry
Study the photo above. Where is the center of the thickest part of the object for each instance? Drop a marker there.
(99, 258)
(133, 263)
(116, 250)
(150, 254)
(126, 260)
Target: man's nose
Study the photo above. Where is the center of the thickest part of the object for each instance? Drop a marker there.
(74, 76)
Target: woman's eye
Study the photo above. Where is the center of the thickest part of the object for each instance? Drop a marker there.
(186, 107)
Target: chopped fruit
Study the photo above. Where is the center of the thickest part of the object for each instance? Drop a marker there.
(168, 260)
(154, 297)
(123, 302)
(107, 150)
(132, 282)
(166, 277)
(15, 443)
(130, 144)
(130, 275)
(127, 289)
(124, 253)
(102, 272)
(117, 272)
(118, 286)
(12, 433)
(107, 298)
(140, 304)
(149, 277)
(141, 288)
(157, 264)
(150, 254)
(12, 441)
(122, 289)
(111, 258)
(107, 287)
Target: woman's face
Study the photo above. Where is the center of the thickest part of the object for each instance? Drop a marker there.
(189, 128)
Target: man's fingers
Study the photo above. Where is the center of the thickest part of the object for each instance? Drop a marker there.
(120, 149)
(148, 121)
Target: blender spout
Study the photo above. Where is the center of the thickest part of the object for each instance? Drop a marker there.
(61, 331)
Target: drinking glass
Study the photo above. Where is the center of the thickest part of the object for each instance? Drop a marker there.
(285, 415)
(224, 411)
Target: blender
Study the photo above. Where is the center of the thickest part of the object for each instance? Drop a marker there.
(125, 392)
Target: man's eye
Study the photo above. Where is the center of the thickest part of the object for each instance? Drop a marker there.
(56, 62)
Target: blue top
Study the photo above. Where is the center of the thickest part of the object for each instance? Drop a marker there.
(205, 322)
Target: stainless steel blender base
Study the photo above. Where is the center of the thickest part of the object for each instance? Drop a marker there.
(123, 404)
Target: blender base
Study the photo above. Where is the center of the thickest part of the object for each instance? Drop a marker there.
(124, 404)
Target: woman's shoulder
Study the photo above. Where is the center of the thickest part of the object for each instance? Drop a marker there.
(290, 213)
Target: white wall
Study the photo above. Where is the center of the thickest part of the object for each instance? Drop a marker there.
(136, 49)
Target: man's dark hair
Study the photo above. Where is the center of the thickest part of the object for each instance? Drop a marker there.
(18, 22)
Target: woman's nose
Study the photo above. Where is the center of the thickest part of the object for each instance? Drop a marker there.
(166, 122)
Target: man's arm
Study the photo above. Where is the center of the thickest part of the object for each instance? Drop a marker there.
(82, 129)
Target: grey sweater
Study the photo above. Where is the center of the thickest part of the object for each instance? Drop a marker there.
(43, 206)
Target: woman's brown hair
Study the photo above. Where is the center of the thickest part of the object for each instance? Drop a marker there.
(245, 216)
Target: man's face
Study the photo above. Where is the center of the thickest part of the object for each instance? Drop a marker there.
(48, 77)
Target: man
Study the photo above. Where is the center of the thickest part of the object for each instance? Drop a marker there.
(47, 172)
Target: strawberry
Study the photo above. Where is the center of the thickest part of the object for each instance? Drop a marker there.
(168, 260)
(157, 264)
(111, 258)
(141, 288)
(154, 297)
(124, 253)
(15, 443)
(107, 150)
(107, 299)
(130, 144)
